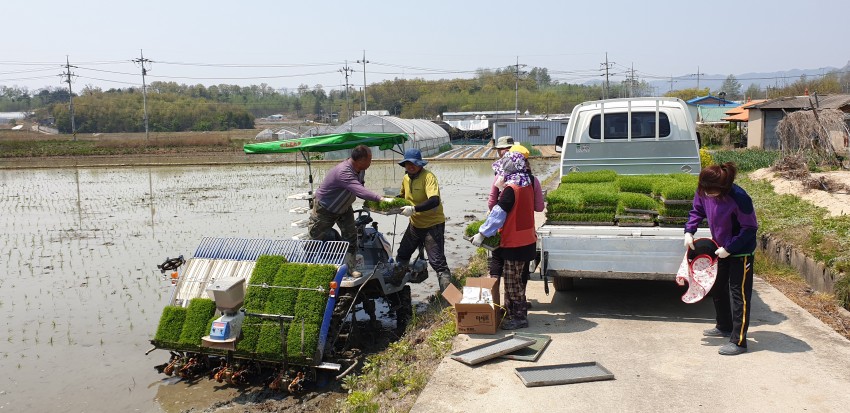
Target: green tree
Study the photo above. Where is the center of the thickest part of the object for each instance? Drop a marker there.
(754, 92)
(687, 94)
(732, 87)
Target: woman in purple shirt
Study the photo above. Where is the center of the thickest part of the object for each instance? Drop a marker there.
(732, 221)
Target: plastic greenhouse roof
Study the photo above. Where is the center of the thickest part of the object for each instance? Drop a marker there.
(418, 129)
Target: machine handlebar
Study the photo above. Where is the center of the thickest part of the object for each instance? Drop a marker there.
(171, 264)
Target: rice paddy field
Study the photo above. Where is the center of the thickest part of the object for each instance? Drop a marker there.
(80, 293)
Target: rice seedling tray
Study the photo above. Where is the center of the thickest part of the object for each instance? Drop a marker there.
(563, 374)
(676, 201)
(492, 349)
(587, 223)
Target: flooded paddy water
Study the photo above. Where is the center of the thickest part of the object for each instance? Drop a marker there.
(80, 293)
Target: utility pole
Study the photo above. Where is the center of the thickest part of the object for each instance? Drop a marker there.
(631, 80)
(697, 74)
(347, 70)
(142, 61)
(607, 65)
(67, 80)
(516, 88)
(671, 83)
(364, 61)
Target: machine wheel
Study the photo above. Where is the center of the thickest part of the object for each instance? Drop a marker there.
(402, 303)
(343, 304)
(563, 283)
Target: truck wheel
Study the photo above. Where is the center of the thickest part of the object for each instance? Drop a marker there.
(563, 283)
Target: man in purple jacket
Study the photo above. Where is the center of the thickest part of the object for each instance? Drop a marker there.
(342, 185)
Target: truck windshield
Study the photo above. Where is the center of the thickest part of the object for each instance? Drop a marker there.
(643, 125)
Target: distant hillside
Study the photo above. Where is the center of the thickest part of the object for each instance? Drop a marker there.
(762, 79)
(715, 80)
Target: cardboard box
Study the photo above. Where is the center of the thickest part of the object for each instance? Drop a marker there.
(474, 318)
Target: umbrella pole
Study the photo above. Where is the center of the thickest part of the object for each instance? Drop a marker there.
(310, 176)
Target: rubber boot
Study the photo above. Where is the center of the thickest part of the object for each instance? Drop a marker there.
(518, 317)
(351, 260)
(444, 278)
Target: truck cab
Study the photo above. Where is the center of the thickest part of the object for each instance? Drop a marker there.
(634, 136)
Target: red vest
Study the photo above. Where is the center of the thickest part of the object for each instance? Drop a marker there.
(519, 229)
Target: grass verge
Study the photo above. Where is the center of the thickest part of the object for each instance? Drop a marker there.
(124, 144)
(809, 228)
(789, 282)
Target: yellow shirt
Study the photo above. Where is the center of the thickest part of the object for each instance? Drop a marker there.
(418, 191)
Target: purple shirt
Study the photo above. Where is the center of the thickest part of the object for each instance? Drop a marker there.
(342, 186)
(731, 219)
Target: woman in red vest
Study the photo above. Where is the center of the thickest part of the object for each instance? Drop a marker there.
(513, 218)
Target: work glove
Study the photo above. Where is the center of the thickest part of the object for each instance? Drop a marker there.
(689, 240)
(408, 210)
(387, 199)
(478, 239)
(721, 253)
(500, 183)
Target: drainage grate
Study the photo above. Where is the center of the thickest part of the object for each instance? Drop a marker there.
(492, 349)
(563, 374)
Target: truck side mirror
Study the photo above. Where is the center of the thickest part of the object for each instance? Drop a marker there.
(559, 144)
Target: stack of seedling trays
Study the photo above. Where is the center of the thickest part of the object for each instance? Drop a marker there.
(605, 198)
(637, 208)
(676, 195)
(584, 198)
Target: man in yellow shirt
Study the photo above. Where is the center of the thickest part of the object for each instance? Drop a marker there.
(427, 222)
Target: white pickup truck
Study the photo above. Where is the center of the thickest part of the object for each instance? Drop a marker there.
(634, 136)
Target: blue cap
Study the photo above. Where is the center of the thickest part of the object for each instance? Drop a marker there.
(414, 156)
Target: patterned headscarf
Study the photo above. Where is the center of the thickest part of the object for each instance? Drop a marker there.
(513, 168)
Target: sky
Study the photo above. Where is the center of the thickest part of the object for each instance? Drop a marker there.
(288, 43)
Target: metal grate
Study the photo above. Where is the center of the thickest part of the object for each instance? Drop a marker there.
(254, 248)
(231, 248)
(302, 251)
(228, 257)
(563, 374)
(492, 349)
(208, 247)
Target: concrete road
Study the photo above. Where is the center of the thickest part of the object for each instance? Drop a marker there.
(653, 344)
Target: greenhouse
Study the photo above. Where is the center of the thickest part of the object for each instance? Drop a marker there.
(424, 134)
